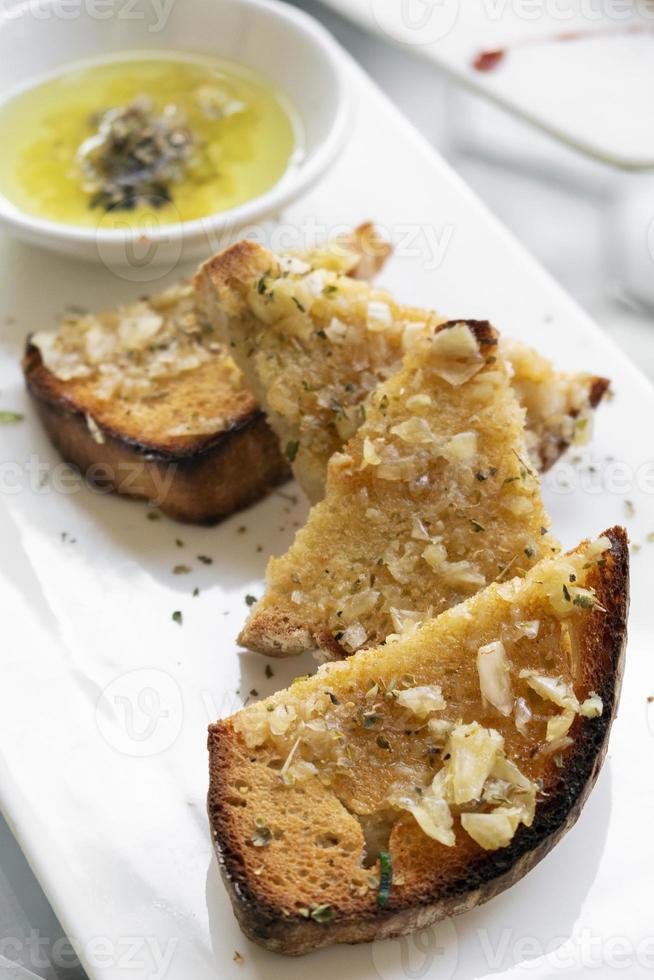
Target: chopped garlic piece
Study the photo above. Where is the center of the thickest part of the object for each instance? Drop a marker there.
(405, 619)
(440, 728)
(529, 628)
(379, 316)
(416, 402)
(432, 813)
(359, 604)
(522, 715)
(418, 530)
(314, 282)
(521, 790)
(435, 555)
(414, 431)
(495, 677)
(559, 725)
(463, 573)
(135, 330)
(520, 505)
(96, 432)
(281, 718)
(253, 726)
(492, 830)
(461, 448)
(370, 455)
(422, 700)
(473, 751)
(457, 350)
(336, 331)
(354, 637)
(300, 771)
(597, 548)
(592, 707)
(553, 689)
(293, 266)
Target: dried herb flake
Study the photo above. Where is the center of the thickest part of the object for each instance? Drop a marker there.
(385, 878)
(291, 450)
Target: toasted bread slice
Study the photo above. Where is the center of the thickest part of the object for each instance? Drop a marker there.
(432, 499)
(313, 344)
(192, 441)
(147, 403)
(418, 780)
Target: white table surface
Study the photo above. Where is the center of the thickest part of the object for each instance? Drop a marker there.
(562, 208)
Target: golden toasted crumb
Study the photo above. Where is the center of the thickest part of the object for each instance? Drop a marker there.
(432, 499)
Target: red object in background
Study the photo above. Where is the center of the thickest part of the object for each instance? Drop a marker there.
(487, 60)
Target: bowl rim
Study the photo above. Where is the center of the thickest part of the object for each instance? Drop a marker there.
(291, 185)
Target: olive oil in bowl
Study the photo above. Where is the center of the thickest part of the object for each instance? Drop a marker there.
(154, 132)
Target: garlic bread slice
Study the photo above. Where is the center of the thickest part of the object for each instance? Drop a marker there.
(430, 501)
(313, 344)
(417, 780)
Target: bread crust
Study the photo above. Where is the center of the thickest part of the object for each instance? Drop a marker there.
(199, 479)
(484, 874)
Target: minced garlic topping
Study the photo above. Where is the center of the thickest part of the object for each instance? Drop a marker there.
(132, 350)
(467, 752)
(313, 344)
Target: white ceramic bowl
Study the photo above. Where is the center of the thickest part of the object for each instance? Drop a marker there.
(40, 37)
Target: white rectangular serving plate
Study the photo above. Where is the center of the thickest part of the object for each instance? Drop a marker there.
(105, 700)
(582, 70)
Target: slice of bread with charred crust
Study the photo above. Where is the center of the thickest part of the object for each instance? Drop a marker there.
(418, 780)
(142, 448)
(432, 499)
(313, 345)
(146, 402)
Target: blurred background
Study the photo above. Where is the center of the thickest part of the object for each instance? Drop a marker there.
(586, 221)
